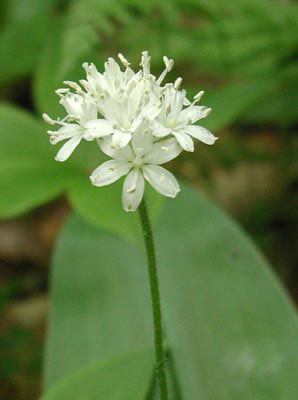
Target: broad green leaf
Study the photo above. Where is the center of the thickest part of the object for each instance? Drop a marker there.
(26, 183)
(100, 300)
(229, 325)
(232, 329)
(124, 378)
(21, 135)
(29, 176)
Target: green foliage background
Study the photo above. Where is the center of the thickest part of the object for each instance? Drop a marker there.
(244, 54)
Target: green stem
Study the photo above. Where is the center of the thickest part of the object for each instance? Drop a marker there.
(155, 298)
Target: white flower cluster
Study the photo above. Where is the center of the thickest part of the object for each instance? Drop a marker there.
(135, 120)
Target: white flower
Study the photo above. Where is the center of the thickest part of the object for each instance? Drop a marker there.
(137, 120)
(179, 122)
(140, 159)
(80, 123)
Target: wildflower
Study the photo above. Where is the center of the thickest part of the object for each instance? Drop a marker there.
(137, 120)
(140, 159)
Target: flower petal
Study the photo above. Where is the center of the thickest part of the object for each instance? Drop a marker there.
(162, 180)
(133, 190)
(97, 128)
(193, 114)
(163, 152)
(201, 133)
(184, 140)
(123, 154)
(68, 147)
(109, 172)
(121, 139)
(142, 141)
(66, 131)
(160, 131)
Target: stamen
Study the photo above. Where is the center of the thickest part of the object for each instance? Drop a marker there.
(145, 63)
(123, 60)
(62, 92)
(199, 95)
(177, 83)
(162, 178)
(169, 63)
(165, 148)
(74, 86)
(131, 189)
(48, 119)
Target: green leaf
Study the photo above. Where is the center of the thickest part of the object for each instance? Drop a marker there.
(100, 300)
(22, 135)
(26, 184)
(231, 328)
(29, 175)
(229, 325)
(127, 377)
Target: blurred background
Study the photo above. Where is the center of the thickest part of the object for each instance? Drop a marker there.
(243, 53)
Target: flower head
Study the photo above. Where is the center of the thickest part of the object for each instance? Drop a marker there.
(136, 121)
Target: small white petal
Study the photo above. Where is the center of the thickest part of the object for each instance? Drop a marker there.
(67, 149)
(133, 190)
(142, 141)
(66, 131)
(73, 104)
(109, 172)
(201, 134)
(121, 139)
(184, 140)
(97, 128)
(162, 180)
(73, 129)
(123, 154)
(163, 152)
(193, 114)
(160, 131)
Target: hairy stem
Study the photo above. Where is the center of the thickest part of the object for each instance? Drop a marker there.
(155, 298)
